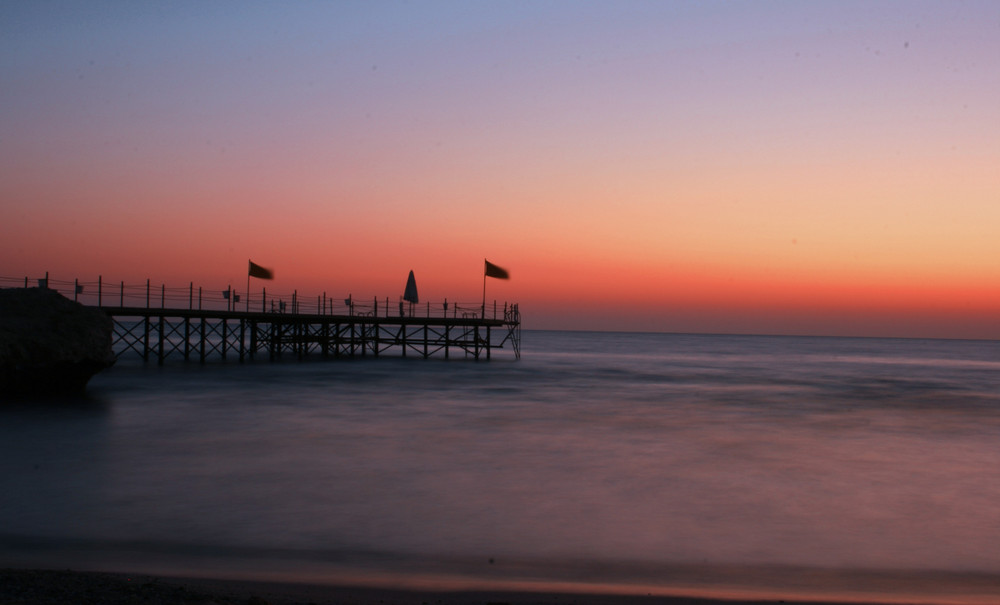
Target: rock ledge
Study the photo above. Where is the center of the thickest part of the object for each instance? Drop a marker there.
(50, 344)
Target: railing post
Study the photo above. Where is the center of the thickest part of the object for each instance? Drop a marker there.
(121, 302)
(147, 292)
(76, 288)
(263, 300)
(199, 298)
(191, 295)
(98, 290)
(163, 296)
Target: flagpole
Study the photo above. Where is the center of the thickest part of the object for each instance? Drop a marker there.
(248, 285)
(484, 289)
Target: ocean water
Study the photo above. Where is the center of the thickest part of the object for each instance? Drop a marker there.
(637, 463)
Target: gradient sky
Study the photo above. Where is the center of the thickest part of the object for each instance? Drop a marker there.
(748, 167)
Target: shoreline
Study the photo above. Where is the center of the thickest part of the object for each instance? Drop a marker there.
(55, 587)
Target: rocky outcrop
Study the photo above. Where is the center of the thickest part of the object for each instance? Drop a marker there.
(50, 344)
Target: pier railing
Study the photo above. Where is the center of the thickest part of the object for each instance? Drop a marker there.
(157, 322)
(103, 293)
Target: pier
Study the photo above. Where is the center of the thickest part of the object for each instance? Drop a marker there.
(157, 324)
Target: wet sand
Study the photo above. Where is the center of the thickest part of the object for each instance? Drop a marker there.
(52, 587)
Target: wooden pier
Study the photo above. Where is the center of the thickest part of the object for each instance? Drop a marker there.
(191, 334)
(297, 328)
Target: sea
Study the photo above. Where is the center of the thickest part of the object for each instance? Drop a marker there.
(632, 463)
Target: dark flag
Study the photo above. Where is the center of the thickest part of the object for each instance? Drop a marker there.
(495, 271)
(260, 272)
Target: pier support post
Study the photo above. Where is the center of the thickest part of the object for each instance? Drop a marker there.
(272, 344)
(253, 339)
(299, 338)
(160, 339)
(145, 339)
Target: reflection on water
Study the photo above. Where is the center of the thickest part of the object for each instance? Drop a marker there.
(627, 459)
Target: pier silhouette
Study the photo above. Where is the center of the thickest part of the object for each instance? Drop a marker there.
(158, 324)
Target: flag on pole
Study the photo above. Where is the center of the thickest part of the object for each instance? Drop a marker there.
(260, 272)
(495, 271)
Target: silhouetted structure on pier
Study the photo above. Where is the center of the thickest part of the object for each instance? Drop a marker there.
(293, 329)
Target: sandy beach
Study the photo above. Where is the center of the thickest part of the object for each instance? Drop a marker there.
(52, 587)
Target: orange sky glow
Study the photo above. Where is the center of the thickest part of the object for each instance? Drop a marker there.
(739, 168)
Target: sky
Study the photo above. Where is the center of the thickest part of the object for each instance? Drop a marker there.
(763, 167)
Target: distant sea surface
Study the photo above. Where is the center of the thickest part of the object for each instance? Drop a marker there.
(716, 465)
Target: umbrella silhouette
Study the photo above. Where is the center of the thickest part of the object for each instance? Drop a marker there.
(410, 293)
